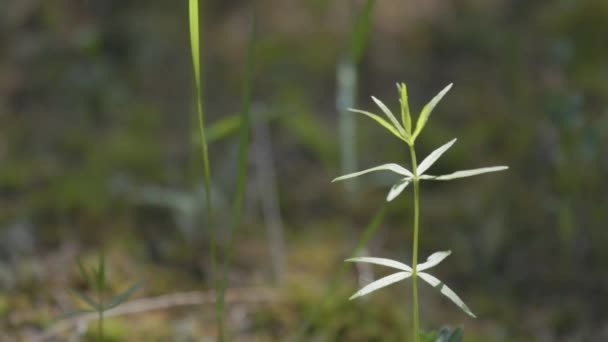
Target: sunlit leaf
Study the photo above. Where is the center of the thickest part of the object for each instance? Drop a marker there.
(427, 110)
(382, 261)
(397, 189)
(466, 173)
(386, 167)
(432, 158)
(433, 260)
(83, 296)
(381, 121)
(405, 108)
(445, 290)
(380, 283)
(390, 116)
(120, 298)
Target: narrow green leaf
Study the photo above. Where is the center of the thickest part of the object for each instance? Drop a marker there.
(243, 158)
(360, 32)
(120, 298)
(446, 291)
(406, 118)
(194, 41)
(427, 110)
(85, 274)
(380, 283)
(74, 314)
(84, 297)
(382, 122)
(386, 167)
(390, 116)
(397, 189)
(432, 158)
(194, 23)
(433, 260)
(466, 173)
(101, 273)
(382, 261)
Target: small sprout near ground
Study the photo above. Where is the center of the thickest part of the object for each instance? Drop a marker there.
(96, 281)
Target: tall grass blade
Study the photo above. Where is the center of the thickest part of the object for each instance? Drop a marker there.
(193, 11)
(242, 162)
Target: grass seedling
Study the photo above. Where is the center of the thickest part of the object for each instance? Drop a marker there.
(96, 281)
(408, 134)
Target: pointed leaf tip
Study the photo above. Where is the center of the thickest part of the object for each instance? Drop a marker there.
(396, 168)
(390, 116)
(428, 109)
(466, 173)
(382, 261)
(433, 260)
(382, 122)
(432, 158)
(380, 283)
(446, 291)
(397, 189)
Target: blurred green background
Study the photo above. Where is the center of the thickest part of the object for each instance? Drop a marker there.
(99, 150)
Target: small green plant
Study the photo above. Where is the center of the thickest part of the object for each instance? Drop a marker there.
(96, 281)
(408, 134)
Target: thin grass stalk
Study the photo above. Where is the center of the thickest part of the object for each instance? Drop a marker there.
(196, 63)
(415, 242)
(100, 326)
(242, 163)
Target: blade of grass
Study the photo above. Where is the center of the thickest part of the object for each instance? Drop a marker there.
(193, 15)
(242, 162)
(339, 275)
(360, 33)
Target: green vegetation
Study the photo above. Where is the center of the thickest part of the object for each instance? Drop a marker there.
(96, 280)
(175, 136)
(405, 133)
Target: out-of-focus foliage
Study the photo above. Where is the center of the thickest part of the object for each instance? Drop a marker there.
(97, 148)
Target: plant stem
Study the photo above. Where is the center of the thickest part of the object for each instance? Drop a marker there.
(100, 326)
(415, 242)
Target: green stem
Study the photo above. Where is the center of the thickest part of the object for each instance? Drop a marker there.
(100, 326)
(415, 247)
